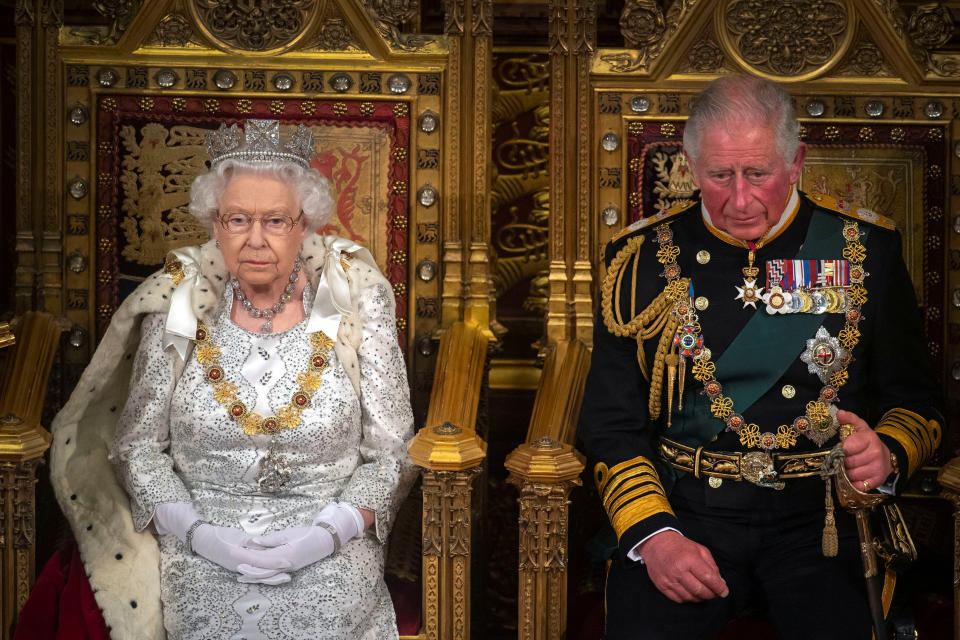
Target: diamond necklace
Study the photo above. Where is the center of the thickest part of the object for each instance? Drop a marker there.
(267, 314)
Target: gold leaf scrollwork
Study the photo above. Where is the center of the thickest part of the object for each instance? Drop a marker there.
(786, 38)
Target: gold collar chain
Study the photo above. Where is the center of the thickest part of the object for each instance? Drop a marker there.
(817, 423)
(288, 417)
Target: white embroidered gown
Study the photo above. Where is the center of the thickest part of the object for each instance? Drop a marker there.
(175, 443)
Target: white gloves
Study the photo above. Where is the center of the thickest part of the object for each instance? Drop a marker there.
(228, 547)
(337, 524)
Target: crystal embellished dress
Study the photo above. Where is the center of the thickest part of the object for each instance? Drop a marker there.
(176, 443)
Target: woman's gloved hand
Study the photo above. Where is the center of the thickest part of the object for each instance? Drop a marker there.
(225, 546)
(337, 524)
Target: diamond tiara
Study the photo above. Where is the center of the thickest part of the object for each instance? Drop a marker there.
(260, 142)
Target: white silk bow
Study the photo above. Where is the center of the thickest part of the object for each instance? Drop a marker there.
(181, 326)
(332, 301)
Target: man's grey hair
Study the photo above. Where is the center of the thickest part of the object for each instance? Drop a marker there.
(310, 189)
(738, 99)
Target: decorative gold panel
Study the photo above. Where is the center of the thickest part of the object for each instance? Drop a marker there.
(788, 39)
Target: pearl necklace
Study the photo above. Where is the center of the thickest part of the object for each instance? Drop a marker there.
(268, 314)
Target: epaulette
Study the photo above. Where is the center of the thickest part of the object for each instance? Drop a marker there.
(846, 208)
(660, 216)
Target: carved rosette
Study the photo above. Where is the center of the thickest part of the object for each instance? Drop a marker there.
(335, 35)
(642, 23)
(786, 39)
(269, 26)
(930, 25)
(174, 30)
(705, 56)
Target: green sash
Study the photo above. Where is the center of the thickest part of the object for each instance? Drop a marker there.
(756, 359)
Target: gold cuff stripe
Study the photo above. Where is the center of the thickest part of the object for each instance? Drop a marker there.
(629, 490)
(918, 436)
(614, 485)
(639, 509)
(631, 467)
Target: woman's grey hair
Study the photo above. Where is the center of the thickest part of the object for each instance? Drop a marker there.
(311, 189)
(738, 99)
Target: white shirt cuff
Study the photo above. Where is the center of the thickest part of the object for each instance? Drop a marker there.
(890, 488)
(634, 553)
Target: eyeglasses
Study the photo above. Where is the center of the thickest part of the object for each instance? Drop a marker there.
(240, 223)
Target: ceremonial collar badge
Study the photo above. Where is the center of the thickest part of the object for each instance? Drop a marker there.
(824, 355)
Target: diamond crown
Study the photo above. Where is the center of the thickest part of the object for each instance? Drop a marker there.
(261, 141)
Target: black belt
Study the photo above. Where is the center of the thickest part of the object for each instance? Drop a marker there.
(762, 469)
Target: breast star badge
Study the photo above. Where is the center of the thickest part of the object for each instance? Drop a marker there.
(749, 293)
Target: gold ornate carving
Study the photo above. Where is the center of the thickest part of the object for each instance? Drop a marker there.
(155, 179)
(866, 59)
(482, 18)
(930, 25)
(120, 13)
(705, 56)
(542, 548)
(643, 56)
(642, 24)
(173, 30)
(786, 39)
(335, 35)
(23, 13)
(390, 15)
(453, 17)
(260, 27)
(585, 27)
(446, 551)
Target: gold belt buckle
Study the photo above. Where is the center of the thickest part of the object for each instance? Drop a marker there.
(758, 468)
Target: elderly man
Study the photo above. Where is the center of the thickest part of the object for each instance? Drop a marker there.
(738, 340)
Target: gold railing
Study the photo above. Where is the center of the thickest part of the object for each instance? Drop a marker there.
(22, 444)
(545, 469)
(450, 452)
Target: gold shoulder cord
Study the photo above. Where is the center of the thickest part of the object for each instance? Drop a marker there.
(656, 319)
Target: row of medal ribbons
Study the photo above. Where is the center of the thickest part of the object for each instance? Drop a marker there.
(809, 286)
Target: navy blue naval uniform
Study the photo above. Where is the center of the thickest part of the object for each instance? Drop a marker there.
(766, 541)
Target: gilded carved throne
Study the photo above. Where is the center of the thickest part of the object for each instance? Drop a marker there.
(875, 87)
(113, 136)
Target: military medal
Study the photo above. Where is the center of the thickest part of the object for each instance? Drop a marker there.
(750, 293)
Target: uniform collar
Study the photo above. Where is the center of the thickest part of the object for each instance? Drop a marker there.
(786, 218)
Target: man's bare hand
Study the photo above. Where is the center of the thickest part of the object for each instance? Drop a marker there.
(681, 569)
(867, 459)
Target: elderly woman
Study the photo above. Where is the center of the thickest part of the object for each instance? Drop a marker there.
(262, 439)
